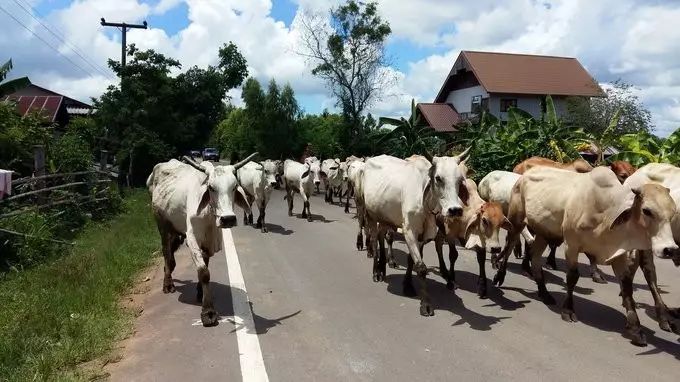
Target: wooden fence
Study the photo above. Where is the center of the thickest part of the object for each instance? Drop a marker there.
(46, 192)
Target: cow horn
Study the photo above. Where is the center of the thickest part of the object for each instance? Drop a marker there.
(463, 156)
(193, 164)
(427, 155)
(243, 162)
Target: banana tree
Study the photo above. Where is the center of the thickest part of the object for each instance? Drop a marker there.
(11, 86)
(607, 138)
(409, 136)
(642, 148)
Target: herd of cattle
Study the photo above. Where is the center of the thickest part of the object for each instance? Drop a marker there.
(615, 215)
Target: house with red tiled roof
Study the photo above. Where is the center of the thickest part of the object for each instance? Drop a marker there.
(495, 82)
(53, 107)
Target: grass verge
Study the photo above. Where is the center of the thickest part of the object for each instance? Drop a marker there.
(58, 315)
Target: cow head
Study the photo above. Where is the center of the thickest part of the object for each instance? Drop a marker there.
(622, 170)
(650, 217)
(218, 190)
(446, 184)
(270, 171)
(343, 170)
(486, 224)
(314, 170)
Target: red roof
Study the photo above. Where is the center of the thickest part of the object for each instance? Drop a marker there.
(440, 116)
(46, 106)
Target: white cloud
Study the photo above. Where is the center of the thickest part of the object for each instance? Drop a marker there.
(636, 40)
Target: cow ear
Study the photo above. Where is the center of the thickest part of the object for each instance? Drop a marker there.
(472, 223)
(464, 193)
(205, 199)
(304, 174)
(506, 225)
(622, 218)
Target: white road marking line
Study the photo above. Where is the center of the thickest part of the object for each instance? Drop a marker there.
(250, 354)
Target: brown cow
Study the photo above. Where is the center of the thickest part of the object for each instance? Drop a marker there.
(578, 165)
(622, 169)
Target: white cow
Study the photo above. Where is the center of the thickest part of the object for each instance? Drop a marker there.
(299, 178)
(354, 172)
(192, 202)
(315, 169)
(352, 163)
(401, 194)
(592, 213)
(257, 180)
(332, 177)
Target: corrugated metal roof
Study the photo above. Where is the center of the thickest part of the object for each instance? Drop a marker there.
(531, 74)
(440, 116)
(46, 106)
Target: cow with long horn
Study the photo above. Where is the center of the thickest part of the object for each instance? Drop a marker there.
(190, 203)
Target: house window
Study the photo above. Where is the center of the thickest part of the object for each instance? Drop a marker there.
(476, 107)
(507, 103)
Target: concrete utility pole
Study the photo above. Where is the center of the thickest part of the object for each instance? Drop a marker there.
(124, 27)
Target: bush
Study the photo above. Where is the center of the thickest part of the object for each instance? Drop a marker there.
(70, 153)
(20, 252)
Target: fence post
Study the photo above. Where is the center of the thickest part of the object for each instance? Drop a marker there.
(104, 160)
(39, 170)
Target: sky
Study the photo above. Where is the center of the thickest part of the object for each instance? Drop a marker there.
(637, 41)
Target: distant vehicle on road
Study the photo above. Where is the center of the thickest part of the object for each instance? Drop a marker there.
(211, 153)
(195, 153)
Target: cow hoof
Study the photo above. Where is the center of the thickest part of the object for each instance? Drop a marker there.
(499, 278)
(304, 215)
(378, 277)
(547, 298)
(669, 326)
(409, 290)
(518, 256)
(450, 285)
(598, 277)
(482, 294)
(360, 246)
(569, 316)
(290, 213)
(169, 288)
(309, 218)
(637, 337)
(369, 254)
(346, 210)
(552, 264)
(393, 264)
(209, 317)
(426, 310)
(264, 229)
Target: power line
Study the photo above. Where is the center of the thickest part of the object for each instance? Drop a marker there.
(62, 38)
(45, 42)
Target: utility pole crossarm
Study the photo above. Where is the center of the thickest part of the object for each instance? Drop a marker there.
(124, 28)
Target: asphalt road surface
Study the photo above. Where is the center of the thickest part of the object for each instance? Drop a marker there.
(318, 316)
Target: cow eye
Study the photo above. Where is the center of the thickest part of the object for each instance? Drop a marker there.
(211, 188)
(485, 222)
(439, 179)
(647, 212)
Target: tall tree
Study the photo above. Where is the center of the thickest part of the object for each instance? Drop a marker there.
(348, 51)
(620, 112)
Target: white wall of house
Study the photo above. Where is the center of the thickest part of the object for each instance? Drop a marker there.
(461, 99)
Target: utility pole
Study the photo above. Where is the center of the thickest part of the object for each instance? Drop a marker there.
(124, 27)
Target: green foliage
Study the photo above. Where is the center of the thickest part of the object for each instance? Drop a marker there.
(642, 148)
(349, 55)
(500, 146)
(18, 136)
(595, 115)
(410, 136)
(13, 85)
(66, 312)
(153, 116)
(88, 130)
(70, 153)
(19, 252)
(266, 124)
(323, 132)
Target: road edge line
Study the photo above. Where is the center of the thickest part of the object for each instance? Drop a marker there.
(250, 353)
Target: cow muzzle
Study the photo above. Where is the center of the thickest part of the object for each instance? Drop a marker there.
(227, 221)
(455, 211)
(273, 184)
(495, 250)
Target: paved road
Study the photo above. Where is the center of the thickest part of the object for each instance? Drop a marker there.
(319, 317)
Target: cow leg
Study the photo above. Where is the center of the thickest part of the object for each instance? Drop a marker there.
(536, 251)
(517, 251)
(408, 288)
(371, 231)
(550, 261)
(511, 240)
(416, 249)
(389, 237)
(347, 200)
(453, 257)
(199, 286)
(379, 270)
(260, 219)
(666, 322)
(633, 327)
(289, 198)
(330, 195)
(595, 272)
(481, 280)
(170, 241)
(568, 312)
(439, 248)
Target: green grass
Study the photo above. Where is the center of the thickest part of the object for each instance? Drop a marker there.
(58, 315)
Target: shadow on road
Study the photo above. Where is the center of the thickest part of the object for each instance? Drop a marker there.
(316, 218)
(444, 299)
(222, 299)
(275, 228)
